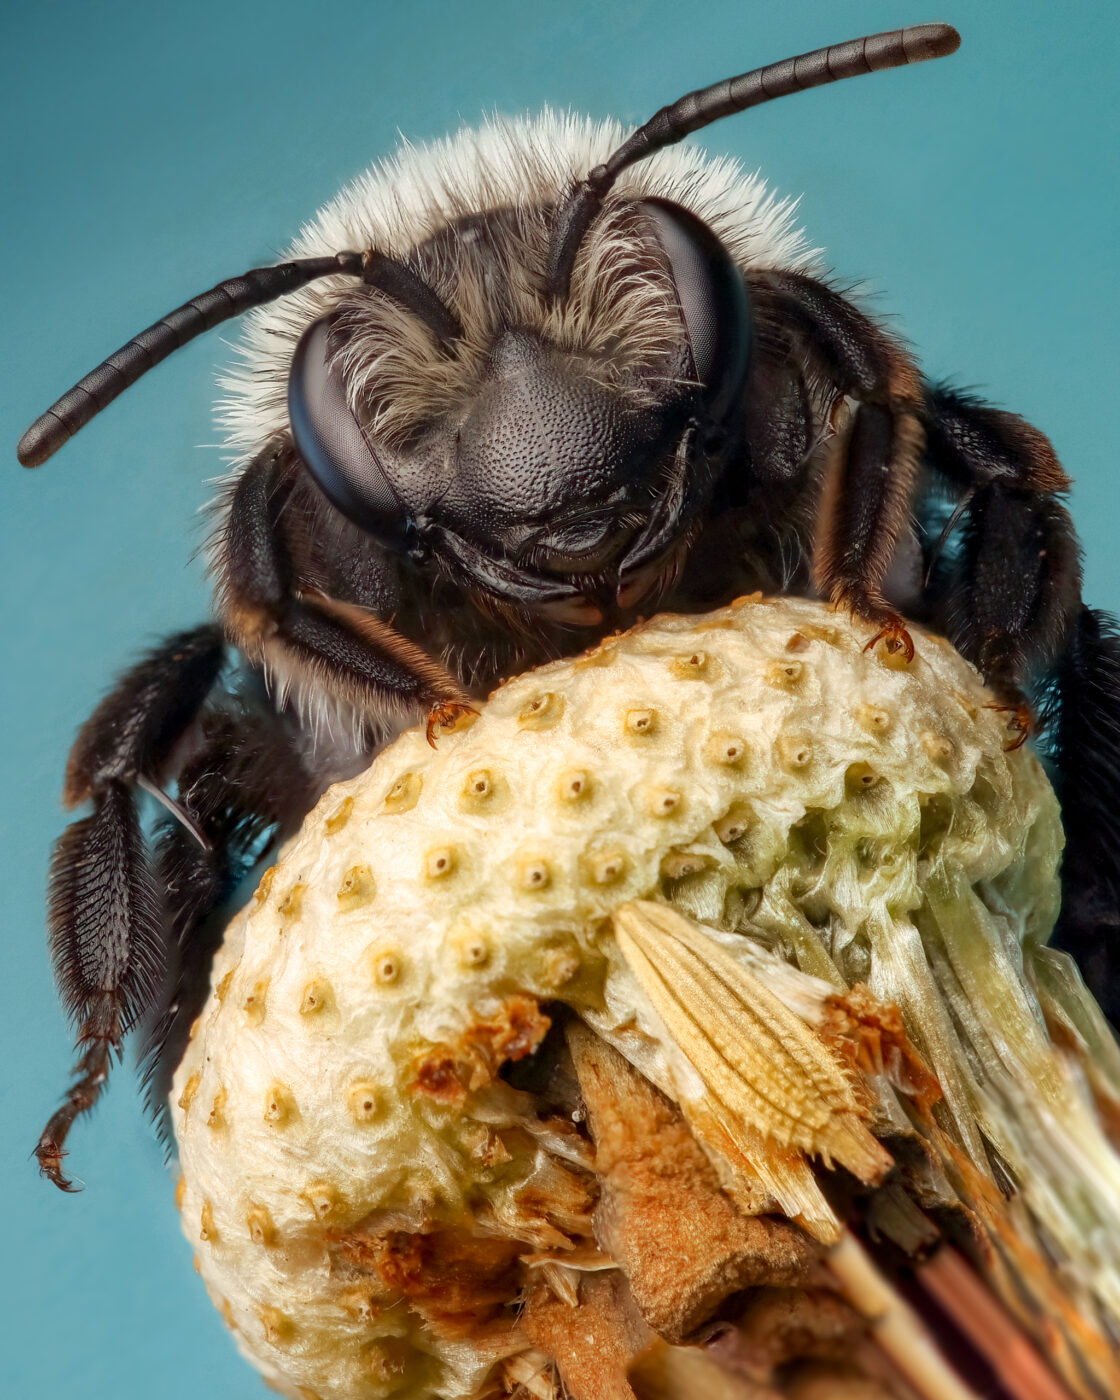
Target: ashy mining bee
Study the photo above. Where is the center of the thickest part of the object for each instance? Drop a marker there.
(510, 393)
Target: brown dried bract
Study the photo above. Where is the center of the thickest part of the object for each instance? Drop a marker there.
(767, 1075)
(872, 1036)
(456, 1279)
(682, 1242)
(447, 1073)
(592, 1344)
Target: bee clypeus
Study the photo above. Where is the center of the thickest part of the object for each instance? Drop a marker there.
(511, 393)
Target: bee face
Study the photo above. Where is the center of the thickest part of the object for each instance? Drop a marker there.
(549, 438)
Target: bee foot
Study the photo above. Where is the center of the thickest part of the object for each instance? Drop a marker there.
(1020, 724)
(50, 1154)
(895, 639)
(448, 717)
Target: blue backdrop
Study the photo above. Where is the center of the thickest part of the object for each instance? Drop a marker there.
(151, 150)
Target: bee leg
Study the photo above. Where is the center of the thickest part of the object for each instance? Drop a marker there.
(134, 730)
(870, 480)
(245, 785)
(312, 645)
(105, 921)
(1086, 753)
(865, 504)
(107, 942)
(1011, 601)
(1008, 598)
(1009, 595)
(778, 420)
(1020, 618)
(1018, 587)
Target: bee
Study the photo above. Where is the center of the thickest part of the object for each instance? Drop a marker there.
(509, 394)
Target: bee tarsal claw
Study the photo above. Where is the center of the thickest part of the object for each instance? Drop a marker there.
(1020, 725)
(895, 639)
(448, 717)
(49, 1156)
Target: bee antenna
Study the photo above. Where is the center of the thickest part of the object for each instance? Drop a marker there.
(143, 352)
(699, 109)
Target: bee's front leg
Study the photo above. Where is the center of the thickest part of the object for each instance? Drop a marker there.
(105, 916)
(869, 485)
(326, 653)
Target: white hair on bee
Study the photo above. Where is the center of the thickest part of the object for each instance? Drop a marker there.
(620, 317)
(621, 313)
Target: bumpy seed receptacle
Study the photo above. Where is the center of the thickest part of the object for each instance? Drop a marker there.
(692, 841)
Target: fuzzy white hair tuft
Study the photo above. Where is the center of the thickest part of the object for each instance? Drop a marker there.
(520, 164)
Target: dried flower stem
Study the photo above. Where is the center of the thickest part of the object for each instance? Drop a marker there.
(895, 1325)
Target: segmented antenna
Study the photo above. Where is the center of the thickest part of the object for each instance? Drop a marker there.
(701, 108)
(228, 299)
(264, 284)
(397, 280)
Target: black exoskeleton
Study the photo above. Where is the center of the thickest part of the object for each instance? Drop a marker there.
(543, 418)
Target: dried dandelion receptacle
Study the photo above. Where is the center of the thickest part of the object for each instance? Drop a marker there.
(557, 1060)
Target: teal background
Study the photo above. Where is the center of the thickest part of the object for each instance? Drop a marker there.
(150, 150)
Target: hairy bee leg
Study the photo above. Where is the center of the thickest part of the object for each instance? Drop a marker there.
(137, 725)
(245, 786)
(865, 503)
(104, 921)
(870, 481)
(1009, 599)
(106, 940)
(1018, 587)
(972, 444)
(778, 421)
(100, 1034)
(1085, 730)
(298, 633)
(1012, 603)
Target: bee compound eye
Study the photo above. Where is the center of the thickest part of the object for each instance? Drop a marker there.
(713, 299)
(333, 444)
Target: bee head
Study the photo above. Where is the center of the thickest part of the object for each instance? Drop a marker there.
(551, 438)
(533, 397)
